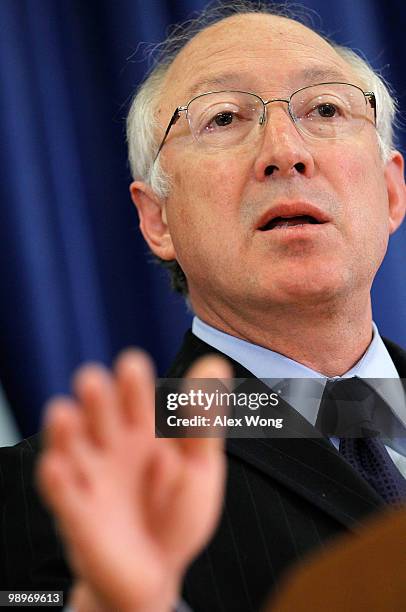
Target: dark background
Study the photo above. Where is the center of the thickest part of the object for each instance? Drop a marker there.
(77, 283)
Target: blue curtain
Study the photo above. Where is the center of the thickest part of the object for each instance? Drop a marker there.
(77, 282)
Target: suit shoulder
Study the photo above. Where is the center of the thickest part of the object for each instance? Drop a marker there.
(31, 555)
(27, 446)
(17, 465)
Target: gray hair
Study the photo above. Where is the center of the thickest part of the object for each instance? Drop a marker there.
(144, 130)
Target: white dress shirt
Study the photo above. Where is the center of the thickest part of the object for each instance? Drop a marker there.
(376, 364)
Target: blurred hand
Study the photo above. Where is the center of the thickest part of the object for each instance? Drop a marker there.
(133, 509)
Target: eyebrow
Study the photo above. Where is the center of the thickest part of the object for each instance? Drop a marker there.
(221, 80)
(308, 76)
(322, 74)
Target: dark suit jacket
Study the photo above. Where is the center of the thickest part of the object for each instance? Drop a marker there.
(284, 498)
(31, 555)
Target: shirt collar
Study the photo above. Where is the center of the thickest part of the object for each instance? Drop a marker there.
(265, 363)
(376, 363)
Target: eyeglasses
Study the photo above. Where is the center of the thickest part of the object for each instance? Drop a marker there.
(224, 119)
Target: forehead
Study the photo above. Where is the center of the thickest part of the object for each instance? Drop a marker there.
(262, 53)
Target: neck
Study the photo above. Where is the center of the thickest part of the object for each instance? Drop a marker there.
(329, 339)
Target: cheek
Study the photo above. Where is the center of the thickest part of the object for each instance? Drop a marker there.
(207, 192)
(366, 195)
(203, 211)
(364, 185)
(355, 172)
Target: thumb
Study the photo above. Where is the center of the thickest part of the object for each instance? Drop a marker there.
(210, 366)
(206, 369)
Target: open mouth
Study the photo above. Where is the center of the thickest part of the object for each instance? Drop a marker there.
(283, 222)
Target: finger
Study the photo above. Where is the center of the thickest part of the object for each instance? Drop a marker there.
(61, 483)
(135, 381)
(96, 391)
(66, 437)
(57, 482)
(207, 368)
(61, 415)
(59, 470)
(210, 366)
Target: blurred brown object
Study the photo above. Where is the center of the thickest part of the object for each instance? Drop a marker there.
(357, 573)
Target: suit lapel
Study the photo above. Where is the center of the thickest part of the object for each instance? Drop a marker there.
(311, 467)
(315, 470)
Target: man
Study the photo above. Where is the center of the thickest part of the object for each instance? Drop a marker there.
(276, 194)
(279, 216)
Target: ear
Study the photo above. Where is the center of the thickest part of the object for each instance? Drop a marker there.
(153, 221)
(396, 188)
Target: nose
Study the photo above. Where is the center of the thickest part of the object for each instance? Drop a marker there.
(283, 152)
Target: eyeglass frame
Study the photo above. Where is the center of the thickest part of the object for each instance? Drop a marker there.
(368, 95)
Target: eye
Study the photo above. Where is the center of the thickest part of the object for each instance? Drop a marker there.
(227, 115)
(324, 110)
(327, 110)
(224, 118)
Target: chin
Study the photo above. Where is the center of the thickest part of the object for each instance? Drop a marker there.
(312, 288)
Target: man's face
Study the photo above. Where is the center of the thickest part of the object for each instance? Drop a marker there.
(219, 197)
